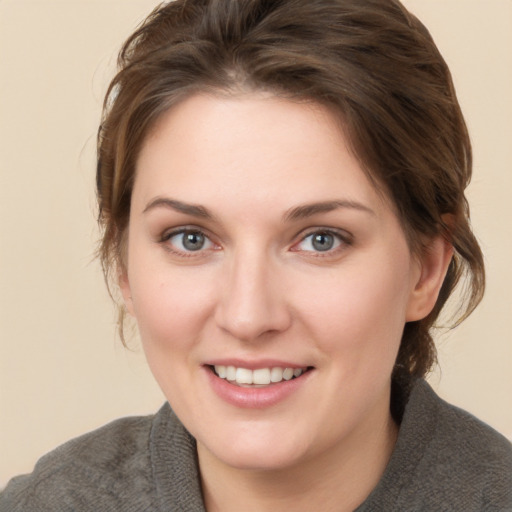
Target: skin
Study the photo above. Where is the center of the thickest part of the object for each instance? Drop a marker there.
(259, 289)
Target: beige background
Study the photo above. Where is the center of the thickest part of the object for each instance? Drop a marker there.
(62, 370)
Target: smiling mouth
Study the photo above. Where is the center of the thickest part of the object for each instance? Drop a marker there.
(260, 377)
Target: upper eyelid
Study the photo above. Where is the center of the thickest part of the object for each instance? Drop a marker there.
(345, 240)
(169, 232)
(341, 233)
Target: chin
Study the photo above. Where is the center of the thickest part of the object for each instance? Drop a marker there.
(258, 449)
(258, 459)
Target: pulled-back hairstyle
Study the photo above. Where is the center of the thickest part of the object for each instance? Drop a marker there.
(369, 61)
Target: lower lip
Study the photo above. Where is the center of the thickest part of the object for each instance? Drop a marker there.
(252, 397)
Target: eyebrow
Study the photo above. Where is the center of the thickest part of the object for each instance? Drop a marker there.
(308, 210)
(299, 212)
(179, 206)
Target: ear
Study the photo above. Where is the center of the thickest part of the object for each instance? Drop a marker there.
(124, 284)
(433, 265)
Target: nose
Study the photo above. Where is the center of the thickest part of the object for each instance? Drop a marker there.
(252, 300)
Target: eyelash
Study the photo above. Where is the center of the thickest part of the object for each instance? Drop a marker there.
(342, 239)
(167, 236)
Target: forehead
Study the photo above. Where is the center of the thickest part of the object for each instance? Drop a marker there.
(256, 147)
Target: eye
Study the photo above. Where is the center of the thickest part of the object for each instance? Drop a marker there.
(320, 241)
(188, 240)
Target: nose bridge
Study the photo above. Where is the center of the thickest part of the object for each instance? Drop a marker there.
(252, 301)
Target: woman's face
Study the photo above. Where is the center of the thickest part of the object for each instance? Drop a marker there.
(258, 250)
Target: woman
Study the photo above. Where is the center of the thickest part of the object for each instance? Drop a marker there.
(281, 188)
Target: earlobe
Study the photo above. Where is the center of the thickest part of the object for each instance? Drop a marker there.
(434, 264)
(124, 285)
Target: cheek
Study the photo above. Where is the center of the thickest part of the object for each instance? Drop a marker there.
(361, 309)
(172, 311)
(170, 307)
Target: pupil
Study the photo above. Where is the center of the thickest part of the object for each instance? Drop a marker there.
(193, 241)
(323, 241)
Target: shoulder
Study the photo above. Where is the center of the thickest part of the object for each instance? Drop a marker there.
(445, 459)
(462, 436)
(105, 466)
(459, 460)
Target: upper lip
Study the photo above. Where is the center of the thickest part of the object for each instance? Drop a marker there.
(254, 364)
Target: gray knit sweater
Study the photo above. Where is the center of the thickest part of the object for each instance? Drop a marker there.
(444, 460)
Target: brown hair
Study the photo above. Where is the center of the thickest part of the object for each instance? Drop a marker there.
(370, 60)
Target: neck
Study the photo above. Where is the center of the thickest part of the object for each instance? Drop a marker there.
(337, 480)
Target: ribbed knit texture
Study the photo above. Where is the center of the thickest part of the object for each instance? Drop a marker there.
(444, 460)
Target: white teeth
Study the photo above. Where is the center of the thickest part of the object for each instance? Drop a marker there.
(276, 374)
(243, 376)
(221, 371)
(260, 376)
(230, 373)
(287, 373)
